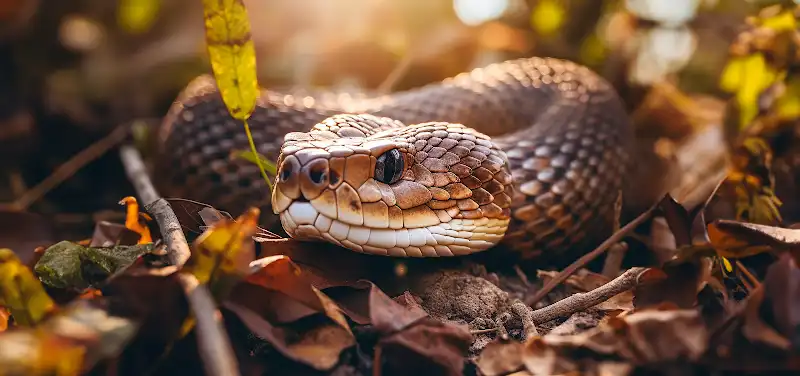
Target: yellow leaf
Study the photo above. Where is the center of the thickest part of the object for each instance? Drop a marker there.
(137, 16)
(732, 74)
(222, 254)
(548, 16)
(233, 60)
(233, 55)
(788, 105)
(783, 21)
(592, 50)
(756, 77)
(21, 292)
(133, 219)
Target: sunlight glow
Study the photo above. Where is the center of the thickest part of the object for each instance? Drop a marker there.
(476, 12)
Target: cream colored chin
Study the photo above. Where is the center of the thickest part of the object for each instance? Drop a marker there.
(455, 238)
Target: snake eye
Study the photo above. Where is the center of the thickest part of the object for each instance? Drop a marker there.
(389, 167)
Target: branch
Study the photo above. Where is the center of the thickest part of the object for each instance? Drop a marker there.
(171, 231)
(579, 263)
(70, 167)
(582, 301)
(212, 341)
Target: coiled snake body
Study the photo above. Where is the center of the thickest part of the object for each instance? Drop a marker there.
(529, 153)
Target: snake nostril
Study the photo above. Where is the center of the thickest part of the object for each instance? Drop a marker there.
(286, 171)
(317, 176)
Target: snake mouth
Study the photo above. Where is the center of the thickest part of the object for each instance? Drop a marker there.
(455, 238)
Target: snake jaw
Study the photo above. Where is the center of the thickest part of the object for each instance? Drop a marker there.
(452, 196)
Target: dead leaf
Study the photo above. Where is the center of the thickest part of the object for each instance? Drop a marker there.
(782, 295)
(647, 337)
(285, 293)
(318, 347)
(365, 303)
(741, 239)
(109, 234)
(500, 358)
(428, 347)
(222, 255)
(70, 342)
(676, 283)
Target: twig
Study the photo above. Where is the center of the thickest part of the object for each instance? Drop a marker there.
(396, 74)
(582, 301)
(212, 340)
(70, 167)
(752, 279)
(579, 263)
(481, 331)
(177, 247)
(613, 263)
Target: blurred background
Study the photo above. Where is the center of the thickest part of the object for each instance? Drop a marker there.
(72, 71)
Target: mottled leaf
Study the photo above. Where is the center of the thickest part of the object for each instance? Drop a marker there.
(68, 265)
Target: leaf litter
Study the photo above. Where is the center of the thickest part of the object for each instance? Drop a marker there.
(685, 301)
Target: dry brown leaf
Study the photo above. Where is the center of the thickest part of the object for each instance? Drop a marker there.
(500, 358)
(318, 347)
(428, 347)
(643, 338)
(365, 303)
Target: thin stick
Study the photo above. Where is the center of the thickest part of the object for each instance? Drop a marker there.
(396, 74)
(70, 167)
(177, 247)
(582, 301)
(614, 239)
(212, 340)
(753, 280)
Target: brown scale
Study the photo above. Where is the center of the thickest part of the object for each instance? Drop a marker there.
(563, 129)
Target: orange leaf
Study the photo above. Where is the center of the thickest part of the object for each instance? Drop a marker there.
(134, 221)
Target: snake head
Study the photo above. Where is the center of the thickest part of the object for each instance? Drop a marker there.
(375, 185)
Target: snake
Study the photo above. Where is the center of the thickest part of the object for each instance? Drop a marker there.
(529, 154)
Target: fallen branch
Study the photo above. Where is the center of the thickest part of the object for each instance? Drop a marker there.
(70, 167)
(581, 262)
(177, 247)
(212, 340)
(582, 301)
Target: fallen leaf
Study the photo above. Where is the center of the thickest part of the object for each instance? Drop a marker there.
(280, 274)
(109, 234)
(500, 358)
(222, 254)
(70, 342)
(134, 219)
(428, 347)
(782, 294)
(71, 266)
(318, 347)
(21, 293)
(365, 303)
(649, 337)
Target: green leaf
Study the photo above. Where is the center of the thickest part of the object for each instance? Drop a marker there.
(70, 265)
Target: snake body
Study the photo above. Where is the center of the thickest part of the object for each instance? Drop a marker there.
(528, 153)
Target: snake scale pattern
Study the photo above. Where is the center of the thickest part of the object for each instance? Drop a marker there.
(530, 154)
